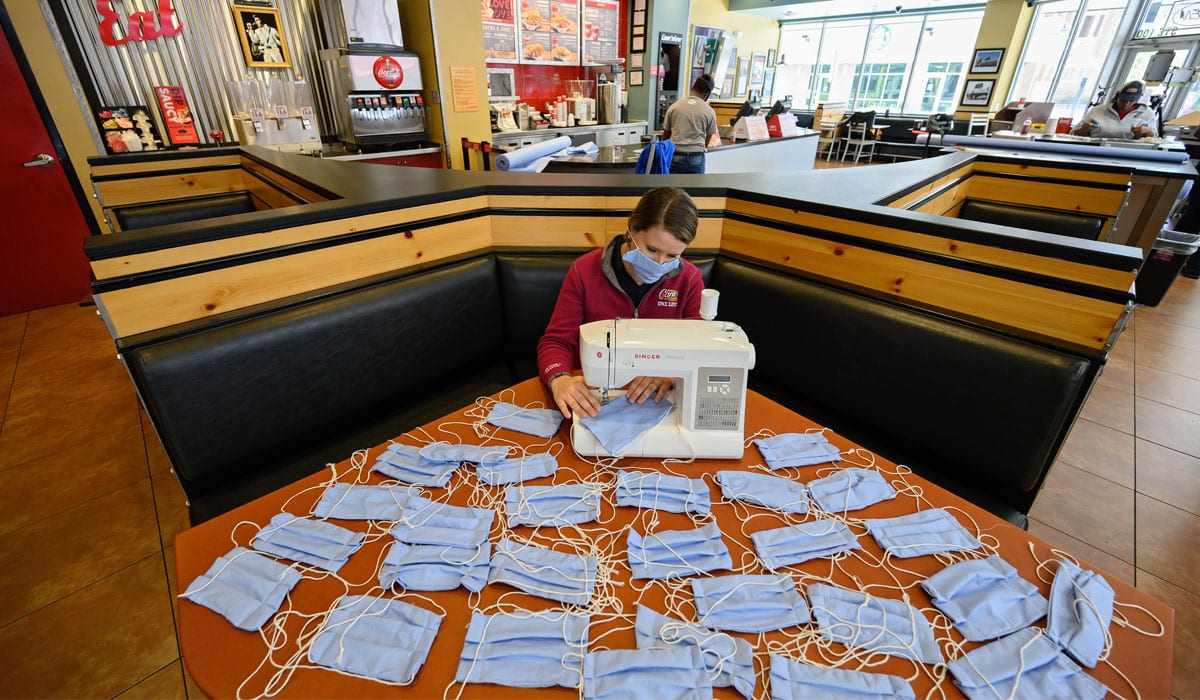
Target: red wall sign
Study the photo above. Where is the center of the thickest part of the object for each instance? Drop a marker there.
(388, 72)
(142, 25)
(181, 128)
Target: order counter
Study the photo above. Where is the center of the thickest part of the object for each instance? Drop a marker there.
(776, 155)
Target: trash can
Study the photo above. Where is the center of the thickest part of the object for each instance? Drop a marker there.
(1167, 257)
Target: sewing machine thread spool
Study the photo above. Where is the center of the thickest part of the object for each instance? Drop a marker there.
(708, 304)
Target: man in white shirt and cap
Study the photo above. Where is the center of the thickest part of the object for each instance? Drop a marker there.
(1122, 118)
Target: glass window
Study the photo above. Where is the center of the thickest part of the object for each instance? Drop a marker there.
(842, 50)
(940, 65)
(795, 73)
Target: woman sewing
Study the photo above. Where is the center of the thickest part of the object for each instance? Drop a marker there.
(639, 274)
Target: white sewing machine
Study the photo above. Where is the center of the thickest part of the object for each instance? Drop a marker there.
(709, 361)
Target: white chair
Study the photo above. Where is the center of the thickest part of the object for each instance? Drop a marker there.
(827, 139)
(980, 121)
(860, 136)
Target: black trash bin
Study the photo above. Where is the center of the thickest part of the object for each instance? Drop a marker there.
(1167, 257)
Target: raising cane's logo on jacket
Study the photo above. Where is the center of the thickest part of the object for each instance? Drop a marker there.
(668, 298)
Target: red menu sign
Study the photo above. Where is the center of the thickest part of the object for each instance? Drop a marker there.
(177, 116)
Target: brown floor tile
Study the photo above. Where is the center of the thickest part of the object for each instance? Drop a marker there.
(96, 642)
(1166, 543)
(8, 368)
(1172, 389)
(167, 682)
(12, 330)
(37, 489)
(67, 378)
(35, 428)
(1174, 359)
(1118, 374)
(1185, 678)
(193, 690)
(1090, 556)
(159, 462)
(171, 506)
(1171, 477)
(1111, 407)
(1100, 450)
(1090, 509)
(54, 557)
(1168, 426)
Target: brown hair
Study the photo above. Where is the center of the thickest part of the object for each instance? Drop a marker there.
(669, 207)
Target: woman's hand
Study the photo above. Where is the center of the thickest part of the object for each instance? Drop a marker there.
(573, 397)
(644, 388)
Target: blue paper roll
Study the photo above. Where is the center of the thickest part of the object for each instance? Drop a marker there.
(522, 157)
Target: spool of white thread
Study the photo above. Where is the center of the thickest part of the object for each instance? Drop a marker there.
(708, 304)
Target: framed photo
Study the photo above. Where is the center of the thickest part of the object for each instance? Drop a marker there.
(770, 58)
(638, 44)
(741, 82)
(758, 71)
(977, 93)
(635, 78)
(986, 61)
(769, 84)
(263, 45)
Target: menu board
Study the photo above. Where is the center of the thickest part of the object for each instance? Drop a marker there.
(550, 31)
(601, 30)
(499, 31)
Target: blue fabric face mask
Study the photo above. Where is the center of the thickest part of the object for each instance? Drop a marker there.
(676, 673)
(313, 542)
(1024, 664)
(749, 602)
(985, 598)
(797, 450)
(552, 506)
(567, 578)
(729, 660)
(517, 469)
(428, 567)
(619, 422)
(378, 638)
(646, 268)
(524, 650)
(791, 680)
(361, 502)
(479, 454)
(429, 522)
(929, 531)
(677, 552)
(794, 544)
(881, 624)
(542, 422)
(850, 489)
(1081, 604)
(405, 463)
(775, 492)
(244, 587)
(674, 494)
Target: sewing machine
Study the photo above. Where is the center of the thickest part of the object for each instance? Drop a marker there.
(709, 361)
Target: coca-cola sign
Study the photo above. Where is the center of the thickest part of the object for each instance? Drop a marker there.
(388, 72)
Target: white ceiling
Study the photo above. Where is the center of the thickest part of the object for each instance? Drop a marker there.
(816, 9)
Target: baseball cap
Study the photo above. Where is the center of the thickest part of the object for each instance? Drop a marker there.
(1132, 92)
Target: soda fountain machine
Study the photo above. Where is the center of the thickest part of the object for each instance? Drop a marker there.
(379, 95)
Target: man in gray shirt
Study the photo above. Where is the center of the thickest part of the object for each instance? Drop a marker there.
(692, 125)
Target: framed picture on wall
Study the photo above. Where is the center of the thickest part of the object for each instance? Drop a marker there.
(986, 61)
(770, 58)
(977, 93)
(741, 82)
(758, 71)
(263, 45)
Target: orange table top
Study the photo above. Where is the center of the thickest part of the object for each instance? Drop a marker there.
(226, 662)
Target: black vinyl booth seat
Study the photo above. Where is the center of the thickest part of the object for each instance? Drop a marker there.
(1033, 219)
(177, 211)
(250, 404)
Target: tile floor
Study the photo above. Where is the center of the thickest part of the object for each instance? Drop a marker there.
(89, 508)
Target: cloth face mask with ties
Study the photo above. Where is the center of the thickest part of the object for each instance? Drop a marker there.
(1081, 605)
(405, 463)
(430, 522)
(620, 422)
(677, 672)
(884, 625)
(647, 269)
(791, 680)
(524, 650)
(559, 505)
(728, 659)
(516, 469)
(850, 489)
(985, 598)
(674, 494)
(478, 454)
(426, 567)
(379, 638)
(797, 450)
(929, 531)
(244, 587)
(344, 501)
(541, 422)
(749, 602)
(795, 544)
(1024, 664)
(567, 578)
(674, 553)
(313, 542)
(775, 492)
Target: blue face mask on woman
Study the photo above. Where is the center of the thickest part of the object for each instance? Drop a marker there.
(646, 268)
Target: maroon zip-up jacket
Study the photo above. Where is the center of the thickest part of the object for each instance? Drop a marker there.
(591, 293)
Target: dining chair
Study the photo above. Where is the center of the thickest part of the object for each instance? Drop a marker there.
(979, 121)
(860, 136)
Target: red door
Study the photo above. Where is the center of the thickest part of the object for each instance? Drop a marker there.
(42, 226)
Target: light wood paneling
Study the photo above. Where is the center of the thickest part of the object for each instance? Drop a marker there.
(256, 172)
(1032, 193)
(1046, 171)
(119, 193)
(929, 188)
(163, 165)
(550, 232)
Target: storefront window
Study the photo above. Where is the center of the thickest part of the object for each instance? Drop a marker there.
(912, 63)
